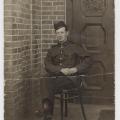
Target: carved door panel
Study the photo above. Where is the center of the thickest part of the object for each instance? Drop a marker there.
(91, 24)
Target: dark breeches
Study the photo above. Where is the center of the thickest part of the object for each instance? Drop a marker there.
(56, 85)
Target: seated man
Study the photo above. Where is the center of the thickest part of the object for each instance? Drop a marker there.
(63, 60)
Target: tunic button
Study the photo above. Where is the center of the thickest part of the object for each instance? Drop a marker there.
(61, 46)
(61, 58)
(61, 52)
(60, 64)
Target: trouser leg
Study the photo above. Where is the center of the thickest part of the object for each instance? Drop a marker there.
(55, 85)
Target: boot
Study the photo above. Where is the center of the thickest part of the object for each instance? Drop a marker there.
(47, 110)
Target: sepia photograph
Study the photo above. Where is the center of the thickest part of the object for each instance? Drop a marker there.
(59, 59)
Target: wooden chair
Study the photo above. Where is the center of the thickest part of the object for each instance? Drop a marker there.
(67, 95)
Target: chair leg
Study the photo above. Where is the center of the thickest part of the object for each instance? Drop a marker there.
(66, 105)
(82, 106)
(61, 97)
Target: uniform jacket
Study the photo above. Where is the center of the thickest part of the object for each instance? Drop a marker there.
(67, 55)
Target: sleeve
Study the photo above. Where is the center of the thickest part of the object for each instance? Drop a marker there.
(49, 66)
(85, 61)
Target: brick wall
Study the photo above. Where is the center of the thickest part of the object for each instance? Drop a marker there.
(17, 51)
(52, 11)
(44, 14)
(28, 35)
(36, 35)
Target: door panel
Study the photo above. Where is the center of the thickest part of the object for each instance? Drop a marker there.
(91, 24)
(88, 39)
(93, 8)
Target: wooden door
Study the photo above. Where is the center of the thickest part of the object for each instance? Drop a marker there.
(91, 24)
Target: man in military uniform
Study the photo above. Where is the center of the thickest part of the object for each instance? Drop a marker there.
(63, 60)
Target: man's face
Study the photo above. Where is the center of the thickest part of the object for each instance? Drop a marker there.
(61, 34)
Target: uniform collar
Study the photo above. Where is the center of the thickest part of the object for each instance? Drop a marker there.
(64, 44)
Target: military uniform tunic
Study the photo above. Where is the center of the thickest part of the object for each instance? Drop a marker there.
(66, 55)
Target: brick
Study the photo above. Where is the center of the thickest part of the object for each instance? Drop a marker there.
(58, 12)
(7, 57)
(9, 19)
(60, 8)
(46, 3)
(8, 51)
(52, 36)
(52, 17)
(36, 27)
(14, 26)
(46, 22)
(46, 41)
(47, 12)
(36, 32)
(36, 12)
(36, 37)
(19, 20)
(36, 7)
(38, 22)
(15, 32)
(45, 46)
(58, 3)
(61, 17)
(36, 1)
(47, 32)
(8, 1)
(7, 26)
(37, 17)
(48, 8)
(8, 32)
(44, 26)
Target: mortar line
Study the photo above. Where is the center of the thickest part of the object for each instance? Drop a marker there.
(65, 11)
(31, 38)
(41, 39)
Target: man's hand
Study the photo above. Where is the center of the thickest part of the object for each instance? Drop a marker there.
(65, 71)
(73, 70)
(69, 71)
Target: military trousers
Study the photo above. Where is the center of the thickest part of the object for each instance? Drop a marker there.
(56, 84)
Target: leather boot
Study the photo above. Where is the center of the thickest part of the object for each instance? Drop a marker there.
(47, 110)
